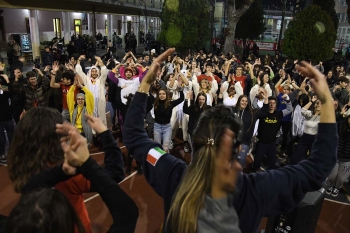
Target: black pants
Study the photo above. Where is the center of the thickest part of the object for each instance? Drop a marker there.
(285, 129)
(16, 111)
(262, 149)
(304, 145)
(9, 126)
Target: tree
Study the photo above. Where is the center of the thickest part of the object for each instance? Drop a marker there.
(329, 7)
(235, 10)
(251, 25)
(185, 24)
(310, 36)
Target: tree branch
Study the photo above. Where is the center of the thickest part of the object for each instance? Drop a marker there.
(245, 6)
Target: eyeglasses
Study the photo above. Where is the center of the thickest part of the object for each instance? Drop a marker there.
(80, 99)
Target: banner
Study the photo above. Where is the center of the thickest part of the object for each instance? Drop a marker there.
(268, 46)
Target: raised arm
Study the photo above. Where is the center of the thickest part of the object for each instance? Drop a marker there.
(80, 71)
(281, 190)
(162, 171)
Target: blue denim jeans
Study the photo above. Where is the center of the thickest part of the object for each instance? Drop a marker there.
(9, 126)
(243, 154)
(162, 133)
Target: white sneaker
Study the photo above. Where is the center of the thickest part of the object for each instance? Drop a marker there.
(171, 144)
(186, 149)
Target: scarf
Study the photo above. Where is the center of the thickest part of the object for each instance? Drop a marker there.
(86, 127)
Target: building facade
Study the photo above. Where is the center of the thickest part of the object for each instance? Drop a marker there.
(41, 20)
(343, 33)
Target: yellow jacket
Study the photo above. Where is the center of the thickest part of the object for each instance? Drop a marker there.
(89, 101)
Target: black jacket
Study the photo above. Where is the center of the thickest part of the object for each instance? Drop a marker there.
(5, 110)
(18, 97)
(193, 115)
(47, 58)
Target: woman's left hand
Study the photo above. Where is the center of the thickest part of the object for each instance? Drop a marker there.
(153, 69)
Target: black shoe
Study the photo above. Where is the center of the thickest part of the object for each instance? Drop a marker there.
(139, 169)
(128, 164)
(115, 128)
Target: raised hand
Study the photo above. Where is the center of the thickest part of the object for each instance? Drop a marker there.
(76, 152)
(55, 67)
(317, 80)
(96, 124)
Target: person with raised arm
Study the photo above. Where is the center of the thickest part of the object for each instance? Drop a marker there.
(210, 192)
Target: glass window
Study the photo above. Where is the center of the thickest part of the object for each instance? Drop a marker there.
(77, 26)
(57, 27)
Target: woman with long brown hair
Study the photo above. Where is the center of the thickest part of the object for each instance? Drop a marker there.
(247, 115)
(163, 107)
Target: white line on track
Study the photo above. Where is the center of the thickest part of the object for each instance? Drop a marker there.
(96, 195)
(342, 203)
(97, 153)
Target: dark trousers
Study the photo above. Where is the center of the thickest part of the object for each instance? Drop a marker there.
(304, 145)
(262, 149)
(285, 129)
(16, 111)
(9, 126)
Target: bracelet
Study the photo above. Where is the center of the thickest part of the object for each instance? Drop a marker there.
(141, 91)
(53, 74)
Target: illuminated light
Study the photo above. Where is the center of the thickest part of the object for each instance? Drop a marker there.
(320, 27)
(173, 35)
(172, 5)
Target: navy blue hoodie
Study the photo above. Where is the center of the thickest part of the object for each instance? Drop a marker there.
(257, 195)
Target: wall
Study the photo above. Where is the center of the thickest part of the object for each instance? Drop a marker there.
(45, 22)
(15, 21)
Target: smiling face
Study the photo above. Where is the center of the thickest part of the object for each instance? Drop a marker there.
(80, 101)
(266, 78)
(194, 65)
(318, 106)
(239, 71)
(231, 90)
(33, 81)
(94, 73)
(128, 74)
(201, 100)
(204, 84)
(244, 103)
(162, 95)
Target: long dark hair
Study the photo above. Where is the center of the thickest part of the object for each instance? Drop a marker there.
(237, 108)
(197, 107)
(304, 99)
(196, 182)
(44, 211)
(261, 77)
(167, 99)
(35, 145)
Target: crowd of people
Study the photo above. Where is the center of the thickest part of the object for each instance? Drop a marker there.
(227, 107)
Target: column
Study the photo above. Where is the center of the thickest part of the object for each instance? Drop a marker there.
(34, 33)
(136, 28)
(110, 26)
(124, 29)
(66, 26)
(90, 24)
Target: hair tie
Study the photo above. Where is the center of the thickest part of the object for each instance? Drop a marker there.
(210, 141)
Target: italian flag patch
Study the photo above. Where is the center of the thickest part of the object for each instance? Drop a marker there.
(154, 154)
